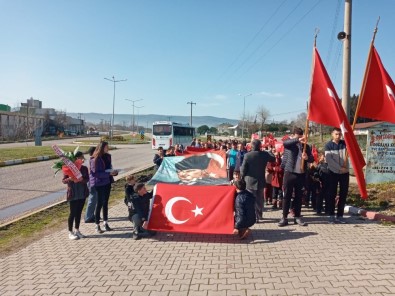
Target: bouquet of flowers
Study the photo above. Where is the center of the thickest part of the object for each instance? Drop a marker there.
(68, 163)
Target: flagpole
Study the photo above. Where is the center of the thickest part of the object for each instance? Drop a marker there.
(306, 132)
(362, 92)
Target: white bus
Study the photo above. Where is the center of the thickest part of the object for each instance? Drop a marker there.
(167, 133)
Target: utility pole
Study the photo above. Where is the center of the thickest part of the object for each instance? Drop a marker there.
(113, 105)
(347, 58)
(244, 114)
(133, 101)
(192, 103)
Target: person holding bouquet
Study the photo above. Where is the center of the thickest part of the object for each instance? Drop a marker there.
(77, 192)
(101, 176)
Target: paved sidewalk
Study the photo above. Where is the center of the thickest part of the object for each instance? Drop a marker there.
(322, 259)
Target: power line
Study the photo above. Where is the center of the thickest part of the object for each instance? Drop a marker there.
(285, 113)
(268, 37)
(248, 45)
(333, 33)
(283, 36)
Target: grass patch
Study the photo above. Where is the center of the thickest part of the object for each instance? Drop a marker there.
(29, 151)
(381, 198)
(18, 235)
(127, 139)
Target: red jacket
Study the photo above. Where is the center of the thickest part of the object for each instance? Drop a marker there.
(278, 172)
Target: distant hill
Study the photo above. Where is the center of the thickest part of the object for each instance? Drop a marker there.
(147, 119)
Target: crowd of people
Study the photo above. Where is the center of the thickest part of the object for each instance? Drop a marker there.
(282, 179)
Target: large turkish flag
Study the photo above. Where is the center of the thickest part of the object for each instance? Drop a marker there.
(196, 209)
(325, 108)
(378, 99)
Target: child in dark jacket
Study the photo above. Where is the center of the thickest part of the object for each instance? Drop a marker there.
(139, 211)
(323, 173)
(244, 210)
(129, 191)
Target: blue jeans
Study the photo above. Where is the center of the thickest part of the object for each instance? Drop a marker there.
(92, 201)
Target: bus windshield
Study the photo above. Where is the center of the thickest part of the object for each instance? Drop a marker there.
(161, 130)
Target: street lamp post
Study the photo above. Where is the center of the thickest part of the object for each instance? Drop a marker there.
(192, 103)
(133, 101)
(113, 105)
(137, 118)
(244, 114)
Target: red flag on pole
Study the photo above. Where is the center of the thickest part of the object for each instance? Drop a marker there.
(196, 209)
(378, 99)
(325, 108)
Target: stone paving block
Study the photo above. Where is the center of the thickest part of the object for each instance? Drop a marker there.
(236, 293)
(318, 260)
(140, 293)
(192, 293)
(379, 289)
(64, 290)
(338, 290)
(105, 294)
(101, 289)
(299, 291)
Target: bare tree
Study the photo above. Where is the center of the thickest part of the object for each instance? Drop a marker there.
(300, 120)
(263, 115)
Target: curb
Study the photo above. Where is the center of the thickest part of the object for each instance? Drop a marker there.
(27, 160)
(369, 214)
(116, 178)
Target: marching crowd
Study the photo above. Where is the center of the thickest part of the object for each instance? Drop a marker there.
(262, 174)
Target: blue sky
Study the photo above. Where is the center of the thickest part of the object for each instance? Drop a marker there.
(172, 52)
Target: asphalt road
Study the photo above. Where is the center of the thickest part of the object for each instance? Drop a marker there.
(29, 186)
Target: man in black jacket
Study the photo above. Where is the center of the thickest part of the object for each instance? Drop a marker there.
(244, 210)
(252, 172)
(294, 174)
(140, 209)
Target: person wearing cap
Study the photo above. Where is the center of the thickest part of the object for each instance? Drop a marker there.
(92, 199)
(77, 192)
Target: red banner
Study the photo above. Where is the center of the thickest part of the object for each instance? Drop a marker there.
(197, 209)
(325, 108)
(197, 149)
(378, 99)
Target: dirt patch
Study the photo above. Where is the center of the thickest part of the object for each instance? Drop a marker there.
(381, 198)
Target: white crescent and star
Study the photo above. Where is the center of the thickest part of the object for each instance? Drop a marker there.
(343, 128)
(169, 210)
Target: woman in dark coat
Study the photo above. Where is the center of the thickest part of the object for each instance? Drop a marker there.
(77, 192)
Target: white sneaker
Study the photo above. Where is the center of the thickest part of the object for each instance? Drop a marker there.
(72, 236)
(79, 234)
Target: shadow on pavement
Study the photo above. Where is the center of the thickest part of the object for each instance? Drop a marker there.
(257, 236)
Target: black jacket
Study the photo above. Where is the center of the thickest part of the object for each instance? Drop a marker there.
(141, 204)
(157, 161)
(244, 210)
(291, 151)
(323, 172)
(129, 191)
(253, 168)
